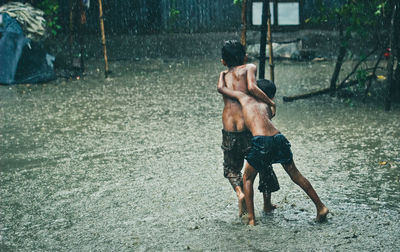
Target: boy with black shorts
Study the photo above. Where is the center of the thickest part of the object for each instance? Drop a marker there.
(268, 146)
(236, 138)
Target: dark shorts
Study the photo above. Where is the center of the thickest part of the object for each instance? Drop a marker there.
(267, 150)
(236, 146)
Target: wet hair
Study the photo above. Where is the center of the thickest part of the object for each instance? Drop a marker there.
(233, 53)
(268, 87)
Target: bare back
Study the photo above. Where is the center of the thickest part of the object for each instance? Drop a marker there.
(232, 116)
(257, 116)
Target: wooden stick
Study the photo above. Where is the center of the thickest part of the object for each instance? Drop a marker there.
(103, 38)
(323, 91)
(271, 54)
(244, 23)
(263, 40)
(71, 30)
(82, 21)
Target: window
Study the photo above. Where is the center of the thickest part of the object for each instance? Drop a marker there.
(283, 12)
(288, 13)
(257, 12)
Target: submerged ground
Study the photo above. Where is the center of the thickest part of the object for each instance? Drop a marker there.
(133, 163)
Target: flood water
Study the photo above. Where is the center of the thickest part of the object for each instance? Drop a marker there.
(133, 163)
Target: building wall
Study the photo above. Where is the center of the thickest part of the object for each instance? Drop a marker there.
(153, 16)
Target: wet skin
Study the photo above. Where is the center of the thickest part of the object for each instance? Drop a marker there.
(257, 120)
(241, 78)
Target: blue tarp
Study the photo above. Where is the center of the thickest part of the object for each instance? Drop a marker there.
(22, 60)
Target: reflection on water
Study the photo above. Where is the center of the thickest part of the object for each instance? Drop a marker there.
(133, 163)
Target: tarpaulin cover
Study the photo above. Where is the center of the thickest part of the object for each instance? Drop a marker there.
(22, 60)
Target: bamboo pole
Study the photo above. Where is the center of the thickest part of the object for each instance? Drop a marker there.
(244, 23)
(103, 38)
(271, 56)
(263, 40)
(82, 22)
(71, 30)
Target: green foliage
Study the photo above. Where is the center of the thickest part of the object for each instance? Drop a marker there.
(173, 13)
(173, 16)
(237, 2)
(51, 10)
(362, 26)
(362, 76)
(359, 17)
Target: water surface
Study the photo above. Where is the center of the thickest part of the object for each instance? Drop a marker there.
(133, 163)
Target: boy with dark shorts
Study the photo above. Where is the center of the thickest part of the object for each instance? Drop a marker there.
(268, 146)
(236, 138)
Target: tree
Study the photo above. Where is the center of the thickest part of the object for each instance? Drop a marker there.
(365, 23)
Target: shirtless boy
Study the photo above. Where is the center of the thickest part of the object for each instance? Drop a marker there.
(268, 146)
(235, 136)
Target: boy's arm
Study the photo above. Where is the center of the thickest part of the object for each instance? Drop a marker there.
(255, 90)
(271, 114)
(221, 80)
(223, 89)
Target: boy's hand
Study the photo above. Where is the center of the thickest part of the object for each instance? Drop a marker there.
(221, 81)
(273, 110)
(222, 76)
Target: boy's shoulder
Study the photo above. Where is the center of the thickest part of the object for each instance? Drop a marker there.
(246, 67)
(249, 69)
(251, 66)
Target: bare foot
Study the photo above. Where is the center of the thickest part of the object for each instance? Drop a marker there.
(269, 208)
(321, 215)
(242, 205)
(252, 222)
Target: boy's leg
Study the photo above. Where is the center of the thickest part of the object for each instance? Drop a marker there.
(248, 179)
(233, 173)
(268, 206)
(235, 144)
(268, 183)
(300, 180)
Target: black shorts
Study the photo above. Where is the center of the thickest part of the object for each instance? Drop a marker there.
(236, 146)
(266, 150)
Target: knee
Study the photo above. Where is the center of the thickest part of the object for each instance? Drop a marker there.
(249, 177)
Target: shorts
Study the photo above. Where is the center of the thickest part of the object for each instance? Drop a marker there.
(236, 146)
(267, 150)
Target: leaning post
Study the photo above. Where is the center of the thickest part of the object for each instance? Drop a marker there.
(244, 23)
(103, 38)
(271, 56)
(263, 40)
